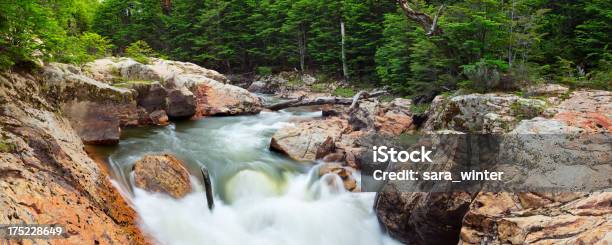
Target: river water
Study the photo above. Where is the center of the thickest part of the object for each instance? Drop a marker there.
(261, 197)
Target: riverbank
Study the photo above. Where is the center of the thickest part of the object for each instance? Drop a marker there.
(264, 164)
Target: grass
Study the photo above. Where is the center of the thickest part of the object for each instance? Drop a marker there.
(318, 87)
(419, 109)
(344, 92)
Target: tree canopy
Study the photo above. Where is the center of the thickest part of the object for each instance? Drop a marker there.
(480, 45)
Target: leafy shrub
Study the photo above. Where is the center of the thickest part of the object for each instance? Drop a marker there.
(264, 70)
(419, 109)
(483, 75)
(84, 48)
(140, 51)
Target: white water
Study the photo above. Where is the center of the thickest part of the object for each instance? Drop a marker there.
(260, 197)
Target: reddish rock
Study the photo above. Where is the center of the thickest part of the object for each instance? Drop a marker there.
(214, 98)
(587, 109)
(162, 173)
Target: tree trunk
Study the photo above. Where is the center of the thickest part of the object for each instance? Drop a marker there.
(344, 64)
(302, 47)
(325, 101)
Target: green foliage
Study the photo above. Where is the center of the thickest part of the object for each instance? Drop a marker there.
(484, 44)
(344, 92)
(84, 48)
(6, 146)
(264, 70)
(36, 30)
(318, 87)
(419, 109)
(140, 51)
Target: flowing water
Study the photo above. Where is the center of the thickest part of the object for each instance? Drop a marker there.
(261, 197)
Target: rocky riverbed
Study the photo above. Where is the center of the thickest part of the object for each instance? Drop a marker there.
(48, 115)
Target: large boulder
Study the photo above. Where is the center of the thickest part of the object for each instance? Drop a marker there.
(46, 176)
(215, 98)
(481, 113)
(163, 174)
(308, 141)
(190, 90)
(96, 110)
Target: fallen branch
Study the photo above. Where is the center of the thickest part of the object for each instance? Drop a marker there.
(325, 101)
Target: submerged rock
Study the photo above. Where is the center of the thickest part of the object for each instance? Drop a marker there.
(163, 174)
(345, 173)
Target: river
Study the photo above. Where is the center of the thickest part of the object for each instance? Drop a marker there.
(261, 197)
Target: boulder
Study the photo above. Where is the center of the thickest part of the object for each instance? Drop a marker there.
(163, 174)
(364, 116)
(308, 79)
(215, 98)
(392, 118)
(96, 110)
(308, 140)
(481, 113)
(180, 103)
(159, 117)
(423, 218)
(268, 84)
(151, 96)
(186, 89)
(114, 69)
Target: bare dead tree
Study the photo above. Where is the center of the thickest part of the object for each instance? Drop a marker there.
(430, 25)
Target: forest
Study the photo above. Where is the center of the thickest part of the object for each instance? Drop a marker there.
(417, 48)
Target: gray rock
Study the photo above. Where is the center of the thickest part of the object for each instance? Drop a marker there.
(180, 103)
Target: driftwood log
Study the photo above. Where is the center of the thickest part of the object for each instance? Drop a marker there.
(353, 102)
